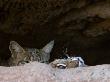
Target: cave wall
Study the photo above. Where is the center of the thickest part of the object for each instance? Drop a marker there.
(82, 26)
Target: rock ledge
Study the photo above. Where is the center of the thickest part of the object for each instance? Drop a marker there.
(38, 72)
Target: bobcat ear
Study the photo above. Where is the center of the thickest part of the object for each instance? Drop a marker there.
(14, 47)
(48, 48)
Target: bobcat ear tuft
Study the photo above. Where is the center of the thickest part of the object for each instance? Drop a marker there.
(48, 48)
(15, 47)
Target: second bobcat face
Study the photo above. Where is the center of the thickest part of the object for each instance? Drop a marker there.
(70, 62)
(64, 63)
(21, 55)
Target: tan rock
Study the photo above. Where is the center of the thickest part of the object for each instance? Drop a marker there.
(39, 72)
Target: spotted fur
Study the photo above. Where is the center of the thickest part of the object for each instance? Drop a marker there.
(70, 62)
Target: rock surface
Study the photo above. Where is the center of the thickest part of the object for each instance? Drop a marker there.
(39, 72)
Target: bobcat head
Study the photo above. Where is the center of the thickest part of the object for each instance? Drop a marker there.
(20, 55)
(70, 62)
(64, 63)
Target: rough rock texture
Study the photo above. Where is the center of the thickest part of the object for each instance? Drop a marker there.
(80, 25)
(38, 72)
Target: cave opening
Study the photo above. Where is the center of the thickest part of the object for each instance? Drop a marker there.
(83, 27)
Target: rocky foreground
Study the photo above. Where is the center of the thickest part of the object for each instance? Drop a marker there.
(38, 72)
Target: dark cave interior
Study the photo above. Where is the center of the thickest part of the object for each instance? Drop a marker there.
(81, 26)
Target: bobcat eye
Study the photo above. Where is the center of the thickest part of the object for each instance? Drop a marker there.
(61, 66)
(22, 62)
(26, 61)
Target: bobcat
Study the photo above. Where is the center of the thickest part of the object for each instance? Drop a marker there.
(70, 62)
(20, 55)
